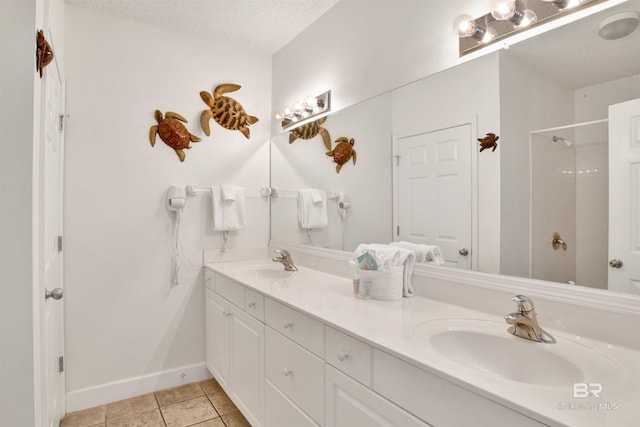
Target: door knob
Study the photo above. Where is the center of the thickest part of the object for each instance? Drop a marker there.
(56, 293)
(615, 263)
(464, 251)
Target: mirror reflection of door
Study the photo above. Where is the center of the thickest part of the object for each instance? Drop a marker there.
(624, 197)
(434, 192)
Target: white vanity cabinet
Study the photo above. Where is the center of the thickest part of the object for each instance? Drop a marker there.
(235, 353)
(285, 368)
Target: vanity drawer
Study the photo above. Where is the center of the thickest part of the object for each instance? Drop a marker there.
(281, 412)
(430, 397)
(297, 373)
(350, 355)
(254, 304)
(300, 328)
(230, 290)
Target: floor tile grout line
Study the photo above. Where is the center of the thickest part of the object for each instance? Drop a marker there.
(155, 396)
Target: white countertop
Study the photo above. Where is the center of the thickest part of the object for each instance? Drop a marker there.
(390, 326)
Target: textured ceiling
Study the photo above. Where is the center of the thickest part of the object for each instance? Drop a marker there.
(577, 56)
(262, 25)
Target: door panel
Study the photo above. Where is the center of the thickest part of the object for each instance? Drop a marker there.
(51, 252)
(434, 191)
(624, 196)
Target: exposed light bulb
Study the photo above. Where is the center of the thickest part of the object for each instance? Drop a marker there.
(528, 18)
(465, 26)
(279, 116)
(503, 10)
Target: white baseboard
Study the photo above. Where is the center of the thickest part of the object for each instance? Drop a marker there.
(136, 386)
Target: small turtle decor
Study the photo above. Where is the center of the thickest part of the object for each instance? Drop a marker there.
(226, 111)
(44, 52)
(172, 132)
(343, 152)
(310, 130)
(489, 141)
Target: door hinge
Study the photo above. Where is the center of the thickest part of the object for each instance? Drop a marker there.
(61, 117)
(59, 243)
(397, 230)
(61, 364)
(397, 159)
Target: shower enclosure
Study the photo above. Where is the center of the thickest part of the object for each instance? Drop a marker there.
(570, 204)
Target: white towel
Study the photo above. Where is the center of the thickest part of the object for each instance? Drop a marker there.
(228, 215)
(312, 214)
(389, 257)
(424, 253)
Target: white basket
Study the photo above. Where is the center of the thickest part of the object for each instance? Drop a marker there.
(386, 285)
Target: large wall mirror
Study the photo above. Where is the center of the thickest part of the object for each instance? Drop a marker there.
(547, 203)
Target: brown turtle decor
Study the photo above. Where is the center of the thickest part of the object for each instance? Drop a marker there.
(226, 111)
(310, 130)
(343, 152)
(172, 132)
(44, 52)
(489, 141)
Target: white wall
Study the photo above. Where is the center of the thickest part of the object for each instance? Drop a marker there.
(124, 320)
(353, 49)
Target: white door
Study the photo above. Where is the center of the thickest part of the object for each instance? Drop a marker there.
(624, 197)
(51, 251)
(434, 192)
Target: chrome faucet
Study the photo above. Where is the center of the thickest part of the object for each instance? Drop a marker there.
(524, 322)
(285, 259)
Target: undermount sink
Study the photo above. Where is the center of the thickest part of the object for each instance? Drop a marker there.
(485, 347)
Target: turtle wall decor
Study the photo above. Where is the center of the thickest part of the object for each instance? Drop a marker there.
(343, 152)
(172, 132)
(489, 141)
(44, 52)
(310, 130)
(225, 110)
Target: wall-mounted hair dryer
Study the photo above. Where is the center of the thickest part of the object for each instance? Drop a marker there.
(343, 205)
(176, 199)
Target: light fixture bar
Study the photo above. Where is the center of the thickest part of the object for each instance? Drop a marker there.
(305, 111)
(544, 11)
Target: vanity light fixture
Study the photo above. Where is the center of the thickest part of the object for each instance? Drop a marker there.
(507, 10)
(303, 111)
(510, 17)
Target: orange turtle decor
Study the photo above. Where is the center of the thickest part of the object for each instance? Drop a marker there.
(172, 132)
(343, 152)
(44, 52)
(310, 130)
(226, 111)
(489, 141)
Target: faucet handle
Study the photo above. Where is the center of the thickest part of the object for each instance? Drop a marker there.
(523, 303)
(282, 252)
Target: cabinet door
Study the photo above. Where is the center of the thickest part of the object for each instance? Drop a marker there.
(349, 403)
(217, 336)
(246, 364)
(281, 412)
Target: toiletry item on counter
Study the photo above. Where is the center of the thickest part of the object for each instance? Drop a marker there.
(356, 287)
(391, 279)
(366, 289)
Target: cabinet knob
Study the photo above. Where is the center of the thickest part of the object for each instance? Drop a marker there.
(342, 356)
(252, 305)
(287, 324)
(288, 372)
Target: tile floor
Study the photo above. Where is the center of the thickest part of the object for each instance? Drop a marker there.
(201, 404)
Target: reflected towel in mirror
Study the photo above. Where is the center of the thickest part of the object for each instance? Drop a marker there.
(424, 253)
(312, 208)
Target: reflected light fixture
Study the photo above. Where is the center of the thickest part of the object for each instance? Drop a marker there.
(510, 17)
(619, 25)
(507, 10)
(303, 111)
